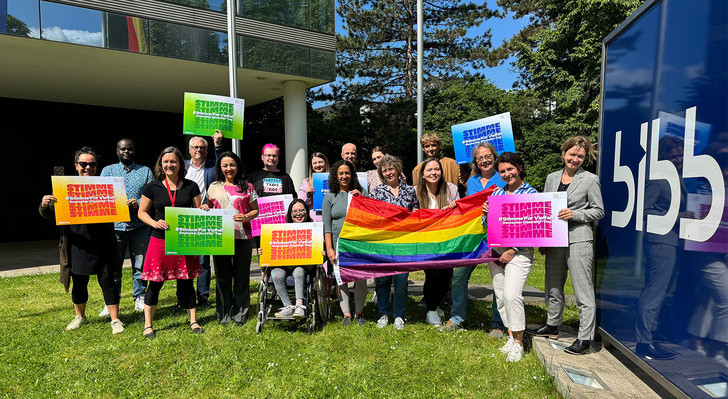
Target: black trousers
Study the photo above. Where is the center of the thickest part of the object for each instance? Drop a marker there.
(437, 282)
(185, 290)
(79, 291)
(232, 281)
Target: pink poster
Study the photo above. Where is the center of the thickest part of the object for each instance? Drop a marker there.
(527, 220)
(272, 210)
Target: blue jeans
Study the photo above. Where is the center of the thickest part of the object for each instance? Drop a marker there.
(203, 282)
(136, 240)
(460, 278)
(382, 286)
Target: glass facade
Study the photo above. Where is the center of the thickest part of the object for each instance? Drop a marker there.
(315, 15)
(69, 24)
(662, 265)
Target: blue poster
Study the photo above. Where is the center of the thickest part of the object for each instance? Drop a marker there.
(496, 129)
(321, 185)
(3, 16)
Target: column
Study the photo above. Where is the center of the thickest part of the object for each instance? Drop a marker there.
(294, 112)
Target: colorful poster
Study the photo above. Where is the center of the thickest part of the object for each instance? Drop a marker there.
(193, 231)
(89, 199)
(292, 244)
(321, 187)
(496, 130)
(203, 113)
(527, 220)
(272, 210)
(700, 204)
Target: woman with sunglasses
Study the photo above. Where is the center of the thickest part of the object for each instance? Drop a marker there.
(87, 250)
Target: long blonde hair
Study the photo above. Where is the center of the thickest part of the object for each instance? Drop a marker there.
(440, 192)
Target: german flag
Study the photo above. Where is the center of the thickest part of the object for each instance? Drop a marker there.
(126, 33)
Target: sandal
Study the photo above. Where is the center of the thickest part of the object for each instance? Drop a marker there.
(150, 334)
(198, 329)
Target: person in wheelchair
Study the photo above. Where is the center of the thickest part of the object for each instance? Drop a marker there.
(298, 212)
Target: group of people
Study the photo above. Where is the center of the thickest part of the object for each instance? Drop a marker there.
(98, 249)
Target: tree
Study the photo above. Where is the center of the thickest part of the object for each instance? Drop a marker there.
(17, 27)
(376, 57)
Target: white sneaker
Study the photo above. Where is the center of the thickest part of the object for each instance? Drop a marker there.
(139, 303)
(433, 318)
(515, 354)
(300, 312)
(286, 311)
(117, 327)
(104, 311)
(398, 323)
(383, 321)
(509, 344)
(76, 323)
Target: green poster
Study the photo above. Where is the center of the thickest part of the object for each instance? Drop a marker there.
(197, 232)
(203, 113)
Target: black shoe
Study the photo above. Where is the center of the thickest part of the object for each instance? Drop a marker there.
(198, 329)
(179, 308)
(203, 303)
(360, 320)
(347, 321)
(653, 352)
(546, 331)
(579, 347)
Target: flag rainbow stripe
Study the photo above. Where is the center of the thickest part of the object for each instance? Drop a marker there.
(379, 233)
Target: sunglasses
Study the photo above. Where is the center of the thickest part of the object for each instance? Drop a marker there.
(296, 213)
(84, 165)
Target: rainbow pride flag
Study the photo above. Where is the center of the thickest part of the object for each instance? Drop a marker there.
(380, 239)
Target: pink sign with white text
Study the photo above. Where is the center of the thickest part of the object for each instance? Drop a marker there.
(272, 210)
(527, 220)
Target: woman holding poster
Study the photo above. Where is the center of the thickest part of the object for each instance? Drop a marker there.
(395, 192)
(484, 156)
(231, 190)
(319, 164)
(173, 190)
(342, 182)
(433, 192)
(86, 250)
(508, 281)
(585, 206)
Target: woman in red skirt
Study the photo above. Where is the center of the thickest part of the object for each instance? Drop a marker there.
(170, 189)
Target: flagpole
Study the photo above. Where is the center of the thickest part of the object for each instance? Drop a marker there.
(233, 60)
(420, 81)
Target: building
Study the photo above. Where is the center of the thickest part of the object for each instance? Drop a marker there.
(89, 72)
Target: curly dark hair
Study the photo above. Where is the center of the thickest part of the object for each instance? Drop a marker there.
(241, 178)
(289, 218)
(334, 186)
(85, 150)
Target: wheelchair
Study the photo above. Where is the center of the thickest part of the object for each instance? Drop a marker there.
(319, 294)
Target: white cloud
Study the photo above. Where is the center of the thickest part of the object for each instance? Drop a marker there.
(58, 34)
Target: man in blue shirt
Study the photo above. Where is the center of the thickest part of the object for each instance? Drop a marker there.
(133, 234)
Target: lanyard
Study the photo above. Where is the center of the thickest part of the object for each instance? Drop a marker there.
(169, 192)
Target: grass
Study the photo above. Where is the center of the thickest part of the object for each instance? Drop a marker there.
(39, 359)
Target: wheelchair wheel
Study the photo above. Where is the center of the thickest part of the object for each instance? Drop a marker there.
(259, 324)
(323, 298)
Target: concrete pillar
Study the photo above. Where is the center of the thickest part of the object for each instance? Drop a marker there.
(294, 112)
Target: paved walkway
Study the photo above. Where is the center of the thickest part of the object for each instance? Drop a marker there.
(622, 379)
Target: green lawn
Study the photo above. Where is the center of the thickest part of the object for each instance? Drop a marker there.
(39, 359)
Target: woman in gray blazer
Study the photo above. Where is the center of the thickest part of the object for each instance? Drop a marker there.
(584, 206)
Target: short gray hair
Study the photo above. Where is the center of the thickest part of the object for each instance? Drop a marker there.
(198, 138)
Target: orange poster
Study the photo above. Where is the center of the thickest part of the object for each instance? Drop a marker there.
(89, 199)
(291, 244)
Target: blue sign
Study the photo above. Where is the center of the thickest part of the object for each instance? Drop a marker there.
(496, 130)
(661, 266)
(321, 187)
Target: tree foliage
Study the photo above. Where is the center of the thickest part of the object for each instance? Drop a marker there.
(377, 54)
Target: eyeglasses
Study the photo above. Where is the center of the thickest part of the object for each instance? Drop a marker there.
(270, 156)
(84, 165)
(198, 147)
(299, 212)
(485, 158)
